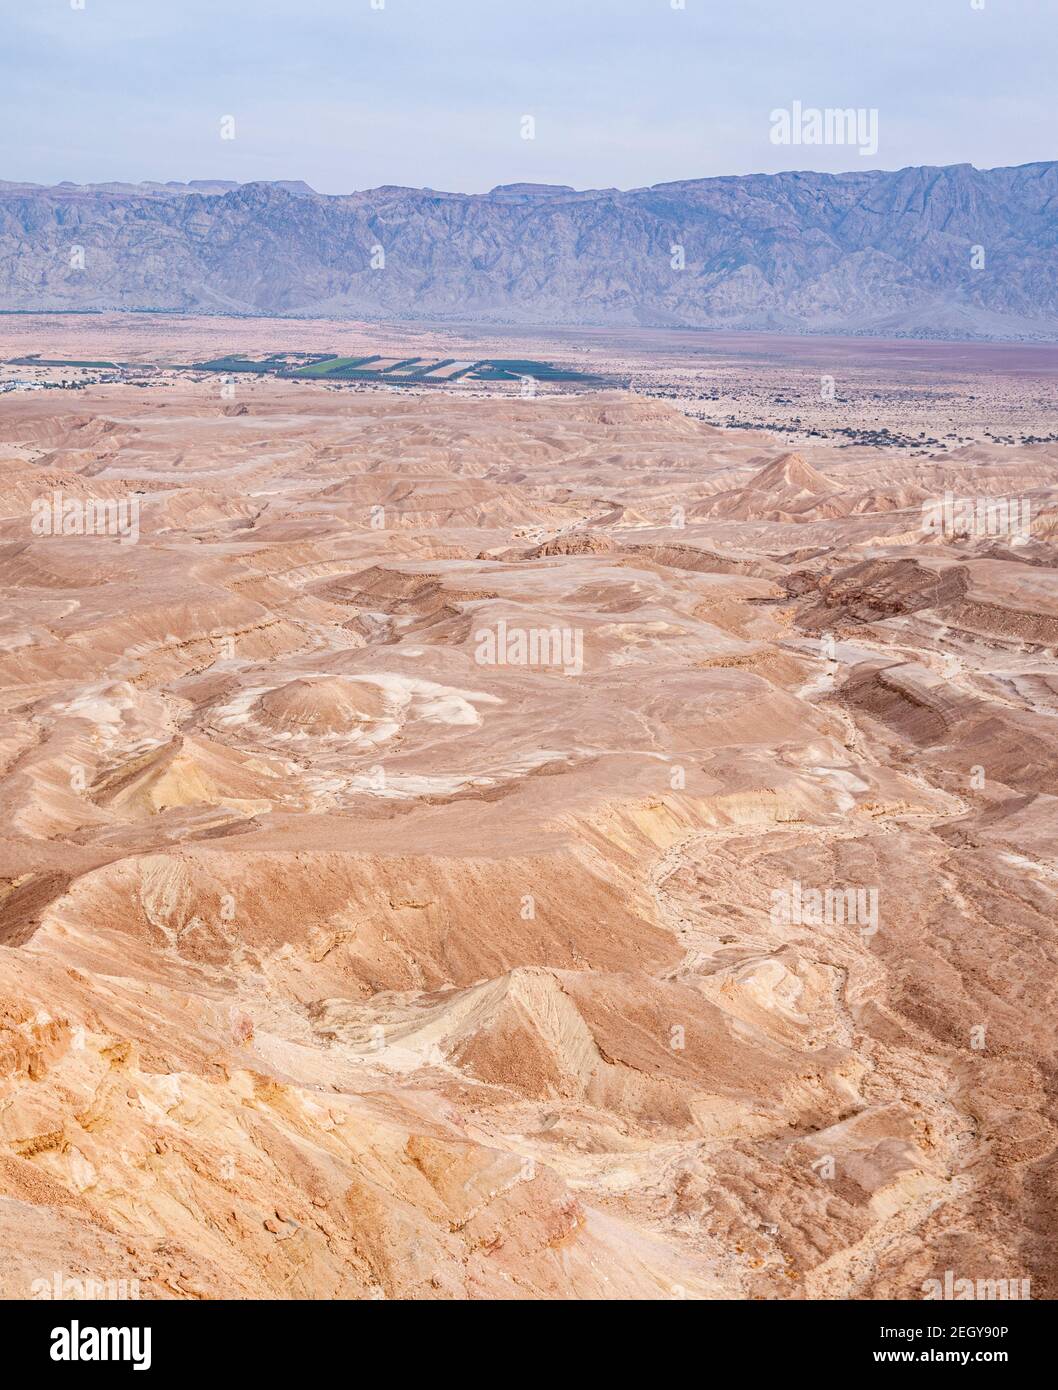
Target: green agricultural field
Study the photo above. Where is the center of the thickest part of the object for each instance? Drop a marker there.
(403, 364)
(233, 364)
(407, 370)
(332, 366)
(513, 369)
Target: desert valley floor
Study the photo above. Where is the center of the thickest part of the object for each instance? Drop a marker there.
(353, 947)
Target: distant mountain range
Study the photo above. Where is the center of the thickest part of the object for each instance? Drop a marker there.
(953, 252)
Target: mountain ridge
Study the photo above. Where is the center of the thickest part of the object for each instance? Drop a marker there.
(926, 251)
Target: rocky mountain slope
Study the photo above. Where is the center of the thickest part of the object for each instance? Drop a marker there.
(950, 252)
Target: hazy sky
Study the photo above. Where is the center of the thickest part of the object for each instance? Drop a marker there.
(432, 92)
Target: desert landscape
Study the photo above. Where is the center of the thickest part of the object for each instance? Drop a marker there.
(522, 838)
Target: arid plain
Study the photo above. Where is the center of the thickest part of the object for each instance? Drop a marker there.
(410, 834)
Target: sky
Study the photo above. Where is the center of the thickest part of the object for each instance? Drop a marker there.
(351, 94)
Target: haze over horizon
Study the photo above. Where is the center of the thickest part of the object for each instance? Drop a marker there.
(292, 179)
(349, 97)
